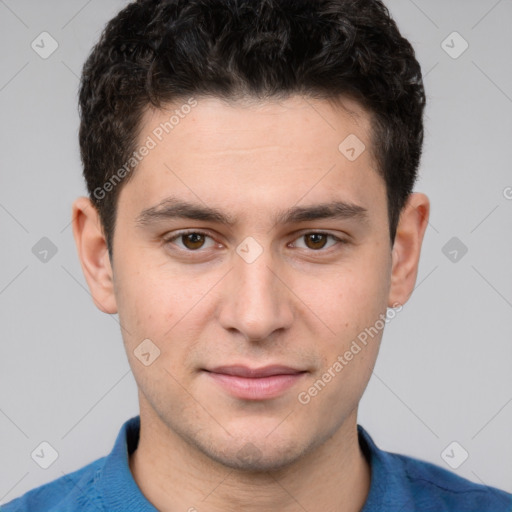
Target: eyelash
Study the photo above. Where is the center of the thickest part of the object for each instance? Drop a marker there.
(179, 234)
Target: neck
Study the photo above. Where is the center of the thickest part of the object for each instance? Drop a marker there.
(174, 476)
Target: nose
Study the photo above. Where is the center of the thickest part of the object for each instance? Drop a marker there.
(257, 299)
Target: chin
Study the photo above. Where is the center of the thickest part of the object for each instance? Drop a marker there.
(254, 456)
(251, 460)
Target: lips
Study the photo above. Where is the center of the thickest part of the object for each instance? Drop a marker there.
(254, 373)
(247, 383)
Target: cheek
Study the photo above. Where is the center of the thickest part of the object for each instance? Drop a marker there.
(161, 306)
(355, 300)
(352, 303)
(146, 303)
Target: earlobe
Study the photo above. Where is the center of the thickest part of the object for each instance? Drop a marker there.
(407, 248)
(93, 253)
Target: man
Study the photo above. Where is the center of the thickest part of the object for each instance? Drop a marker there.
(250, 167)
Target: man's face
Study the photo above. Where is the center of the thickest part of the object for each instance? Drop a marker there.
(260, 291)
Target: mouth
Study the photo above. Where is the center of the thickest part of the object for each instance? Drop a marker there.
(248, 383)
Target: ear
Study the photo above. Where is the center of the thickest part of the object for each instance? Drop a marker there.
(93, 253)
(407, 247)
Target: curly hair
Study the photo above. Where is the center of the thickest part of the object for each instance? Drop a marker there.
(158, 51)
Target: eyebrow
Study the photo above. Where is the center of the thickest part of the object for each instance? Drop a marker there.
(174, 208)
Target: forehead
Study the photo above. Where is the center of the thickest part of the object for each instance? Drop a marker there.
(256, 152)
(289, 122)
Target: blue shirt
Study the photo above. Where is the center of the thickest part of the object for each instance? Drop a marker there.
(398, 484)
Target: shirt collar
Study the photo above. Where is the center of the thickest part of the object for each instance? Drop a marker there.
(388, 489)
(116, 485)
(120, 492)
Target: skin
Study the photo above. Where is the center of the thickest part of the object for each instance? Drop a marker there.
(301, 303)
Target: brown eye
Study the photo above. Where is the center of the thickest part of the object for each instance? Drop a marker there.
(317, 240)
(190, 240)
(193, 240)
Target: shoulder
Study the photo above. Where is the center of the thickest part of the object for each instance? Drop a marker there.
(402, 482)
(68, 493)
(434, 488)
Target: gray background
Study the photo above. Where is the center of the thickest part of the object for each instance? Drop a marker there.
(443, 374)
